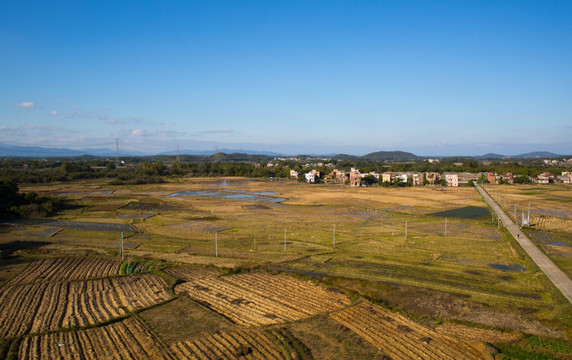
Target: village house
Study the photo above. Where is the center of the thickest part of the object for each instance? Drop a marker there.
(544, 178)
(452, 180)
(310, 177)
(418, 179)
(401, 177)
(508, 178)
(465, 177)
(355, 177)
(375, 175)
(432, 177)
(293, 174)
(387, 177)
(565, 179)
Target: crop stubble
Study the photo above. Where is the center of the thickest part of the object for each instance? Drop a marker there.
(127, 339)
(262, 299)
(39, 307)
(401, 338)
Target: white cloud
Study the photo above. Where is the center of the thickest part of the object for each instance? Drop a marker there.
(25, 104)
(137, 132)
(53, 112)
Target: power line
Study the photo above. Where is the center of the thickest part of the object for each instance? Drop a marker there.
(117, 151)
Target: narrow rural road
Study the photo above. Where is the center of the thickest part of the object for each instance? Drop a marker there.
(560, 280)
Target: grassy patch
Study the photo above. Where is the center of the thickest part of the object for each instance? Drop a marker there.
(122, 270)
(182, 319)
(327, 339)
(536, 348)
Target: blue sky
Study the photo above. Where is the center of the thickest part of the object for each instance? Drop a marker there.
(431, 77)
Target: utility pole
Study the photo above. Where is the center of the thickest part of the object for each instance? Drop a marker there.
(116, 151)
(514, 212)
(528, 214)
(334, 235)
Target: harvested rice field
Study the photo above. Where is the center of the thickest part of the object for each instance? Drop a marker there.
(241, 268)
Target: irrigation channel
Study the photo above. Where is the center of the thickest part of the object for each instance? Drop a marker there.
(557, 276)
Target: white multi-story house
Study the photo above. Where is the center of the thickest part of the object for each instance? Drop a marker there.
(310, 177)
(452, 180)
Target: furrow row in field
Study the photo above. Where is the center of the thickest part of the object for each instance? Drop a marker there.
(399, 337)
(229, 345)
(35, 308)
(238, 304)
(126, 339)
(304, 296)
(190, 274)
(240, 316)
(51, 270)
(260, 299)
(141, 291)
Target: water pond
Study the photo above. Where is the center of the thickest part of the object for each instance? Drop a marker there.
(510, 267)
(238, 195)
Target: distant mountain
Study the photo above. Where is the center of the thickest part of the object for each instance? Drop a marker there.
(391, 155)
(225, 151)
(530, 155)
(536, 154)
(490, 156)
(45, 152)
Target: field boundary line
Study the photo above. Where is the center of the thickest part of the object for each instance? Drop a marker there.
(557, 276)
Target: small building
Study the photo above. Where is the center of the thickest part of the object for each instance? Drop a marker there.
(355, 177)
(387, 177)
(544, 178)
(418, 179)
(402, 177)
(565, 179)
(293, 174)
(508, 178)
(452, 180)
(432, 177)
(310, 177)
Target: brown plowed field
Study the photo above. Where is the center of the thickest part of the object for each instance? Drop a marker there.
(127, 339)
(80, 268)
(39, 307)
(399, 337)
(261, 345)
(261, 299)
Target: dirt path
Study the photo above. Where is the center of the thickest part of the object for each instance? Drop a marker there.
(560, 280)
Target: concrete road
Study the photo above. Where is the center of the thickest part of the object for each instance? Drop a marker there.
(560, 280)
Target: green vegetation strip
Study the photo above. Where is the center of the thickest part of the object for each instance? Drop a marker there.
(535, 348)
